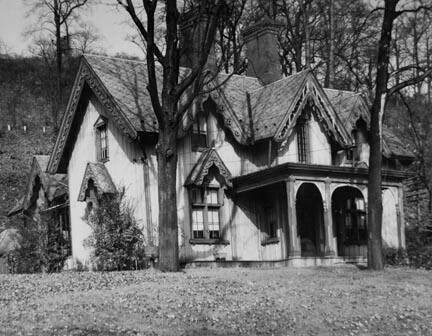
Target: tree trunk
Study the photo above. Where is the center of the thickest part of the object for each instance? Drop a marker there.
(375, 257)
(58, 61)
(416, 61)
(306, 33)
(167, 185)
(428, 63)
(330, 73)
(397, 57)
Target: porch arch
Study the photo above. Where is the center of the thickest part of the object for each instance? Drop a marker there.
(310, 220)
(363, 191)
(349, 220)
(320, 186)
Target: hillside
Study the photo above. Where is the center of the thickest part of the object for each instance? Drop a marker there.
(26, 100)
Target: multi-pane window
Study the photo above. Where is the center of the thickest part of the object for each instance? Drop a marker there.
(102, 142)
(199, 133)
(205, 206)
(198, 223)
(213, 223)
(302, 141)
(355, 221)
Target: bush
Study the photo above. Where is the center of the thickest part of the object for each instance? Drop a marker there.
(38, 251)
(116, 238)
(419, 246)
(31, 256)
(395, 256)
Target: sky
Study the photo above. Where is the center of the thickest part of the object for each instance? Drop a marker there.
(110, 22)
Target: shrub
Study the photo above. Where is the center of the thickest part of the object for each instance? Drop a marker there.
(419, 246)
(395, 256)
(116, 239)
(38, 251)
(30, 257)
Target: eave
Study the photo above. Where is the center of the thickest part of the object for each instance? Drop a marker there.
(283, 172)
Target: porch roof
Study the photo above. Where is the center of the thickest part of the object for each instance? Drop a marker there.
(283, 172)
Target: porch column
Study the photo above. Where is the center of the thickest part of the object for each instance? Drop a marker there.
(330, 244)
(401, 218)
(294, 240)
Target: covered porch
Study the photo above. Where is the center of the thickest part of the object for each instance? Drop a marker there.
(317, 214)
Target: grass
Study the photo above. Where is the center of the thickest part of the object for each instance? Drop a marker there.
(285, 301)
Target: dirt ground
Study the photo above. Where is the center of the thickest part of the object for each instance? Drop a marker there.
(285, 301)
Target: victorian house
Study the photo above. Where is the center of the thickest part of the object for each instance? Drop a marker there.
(270, 168)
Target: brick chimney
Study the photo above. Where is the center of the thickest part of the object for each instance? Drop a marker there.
(192, 29)
(262, 51)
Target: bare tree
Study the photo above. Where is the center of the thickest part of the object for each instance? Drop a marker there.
(229, 36)
(375, 258)
(54, 18)
(85, 40)
(171, 98)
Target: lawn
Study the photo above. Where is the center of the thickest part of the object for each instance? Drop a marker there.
(285, 301)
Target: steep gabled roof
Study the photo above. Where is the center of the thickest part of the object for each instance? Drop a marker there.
(126, 82)
(394, 145)
(120, 85)
(53, 185)
(113, 107)
(351, 106)
(102, 180)
(271, 103)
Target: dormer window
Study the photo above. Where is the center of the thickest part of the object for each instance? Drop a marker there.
(302, 141)
(102, 140)
(199, 133)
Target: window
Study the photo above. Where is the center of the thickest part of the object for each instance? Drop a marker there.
(355, 221)
(65, 237)
(269, 225)
(302, 141)
(199, 133)
(101, 140)
(205, 207)
(90, 198)
(349, 155)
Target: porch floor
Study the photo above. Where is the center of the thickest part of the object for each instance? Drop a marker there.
(290, 262)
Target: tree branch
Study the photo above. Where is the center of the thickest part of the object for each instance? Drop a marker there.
(409, 82)
(130, 8)
(150, 8)
(413, 10)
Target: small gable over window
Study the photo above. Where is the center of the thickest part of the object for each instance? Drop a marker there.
(96, 182)
(209, 159)
(101, 130)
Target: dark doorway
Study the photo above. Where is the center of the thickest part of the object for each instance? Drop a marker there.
(310, 220)
(349, 218)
